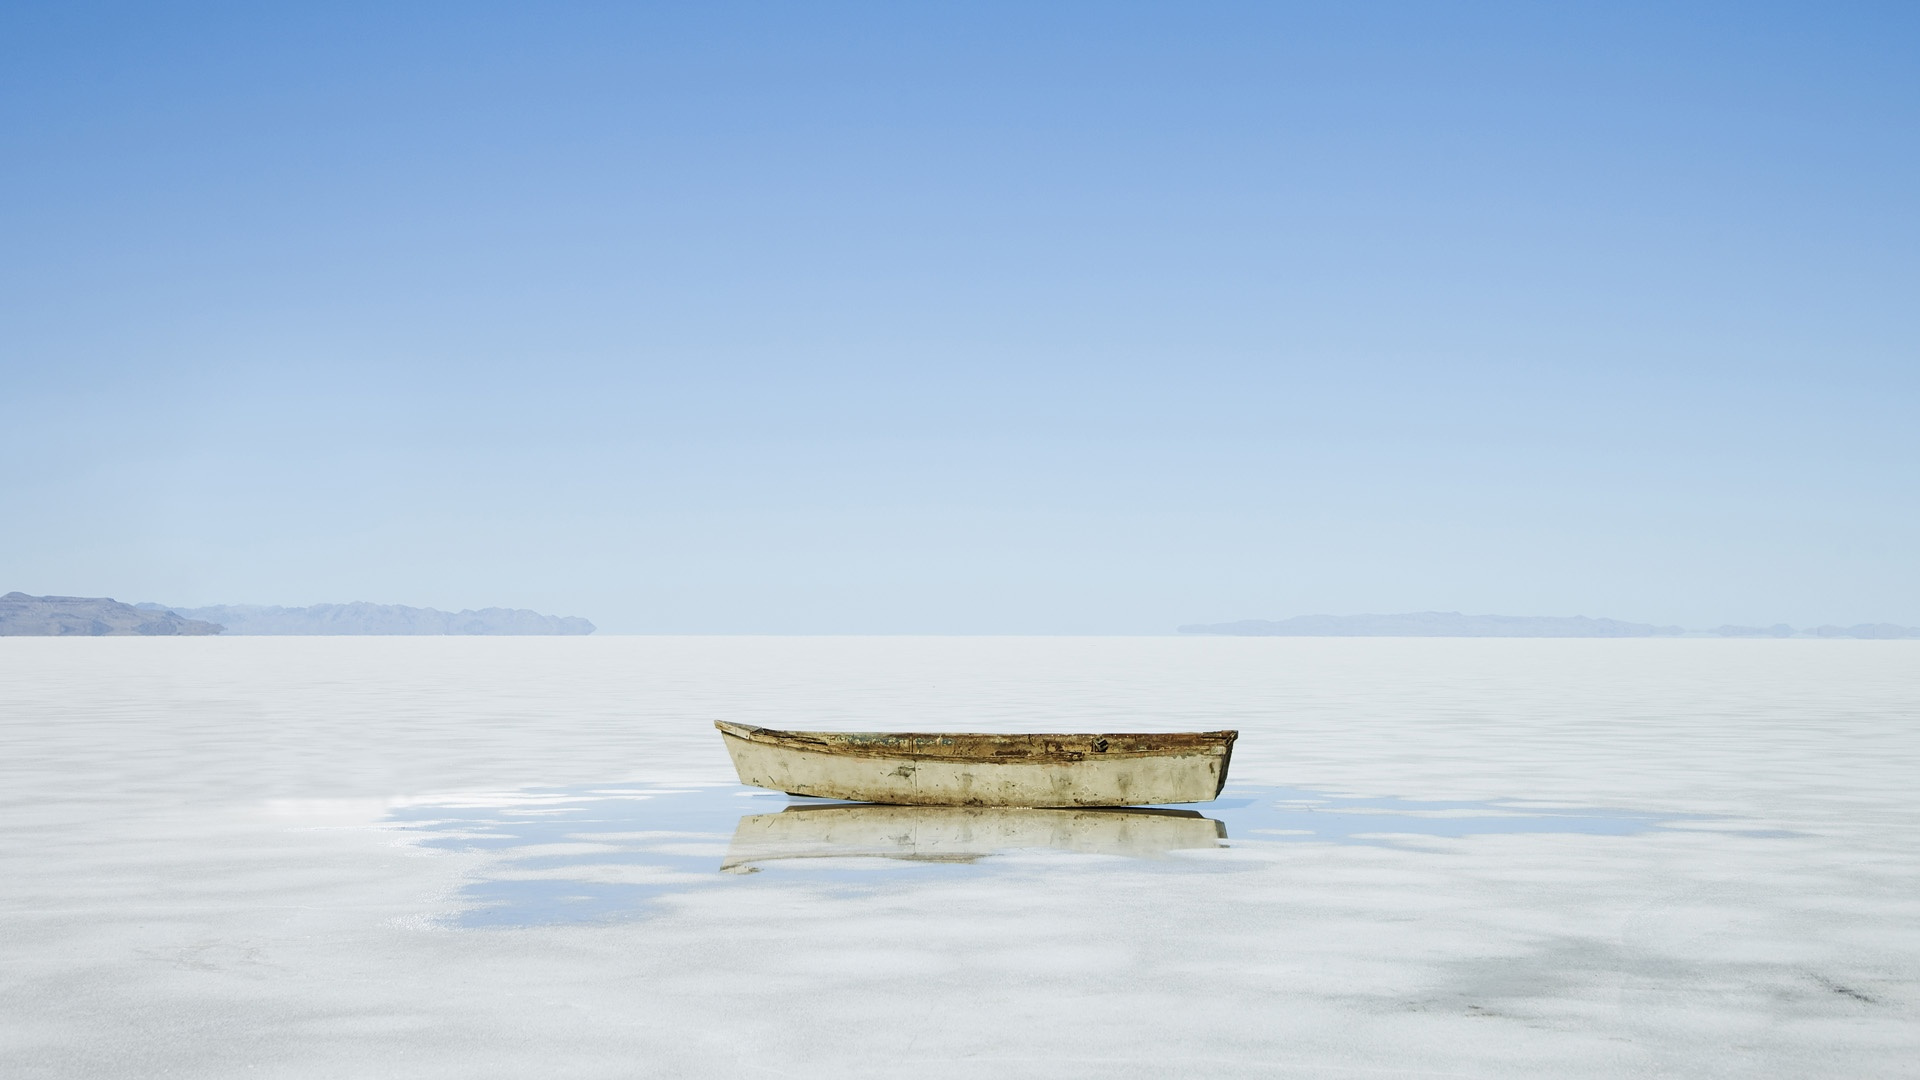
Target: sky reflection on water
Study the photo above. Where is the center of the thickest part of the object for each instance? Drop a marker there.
(571, 855)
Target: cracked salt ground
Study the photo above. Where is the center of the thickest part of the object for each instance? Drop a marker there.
(217, 863)
(605, 852)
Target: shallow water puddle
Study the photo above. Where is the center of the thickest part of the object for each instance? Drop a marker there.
(565, 855)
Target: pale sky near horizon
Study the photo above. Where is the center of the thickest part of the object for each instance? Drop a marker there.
(965, 318)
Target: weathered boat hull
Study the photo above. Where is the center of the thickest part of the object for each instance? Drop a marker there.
(962, 833)
(954, 769)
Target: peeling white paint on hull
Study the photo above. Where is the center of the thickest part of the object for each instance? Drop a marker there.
(957, 769)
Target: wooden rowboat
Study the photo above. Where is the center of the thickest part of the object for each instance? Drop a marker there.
(955, 769)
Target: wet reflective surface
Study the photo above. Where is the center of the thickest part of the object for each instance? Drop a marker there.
(962, 834)
(609, 853)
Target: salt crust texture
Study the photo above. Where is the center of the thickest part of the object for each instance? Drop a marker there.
(196, 883)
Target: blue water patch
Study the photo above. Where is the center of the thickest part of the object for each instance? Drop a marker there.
(1298, 814)
(611, 852)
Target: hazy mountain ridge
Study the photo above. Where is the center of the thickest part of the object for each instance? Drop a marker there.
(91, 616)
(361, 617)
(1455, 624)
(1879, 630)
(1434, 624)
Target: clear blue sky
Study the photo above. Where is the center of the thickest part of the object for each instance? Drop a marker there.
(965, 317)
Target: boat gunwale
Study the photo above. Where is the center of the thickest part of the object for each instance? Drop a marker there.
(1067, 746)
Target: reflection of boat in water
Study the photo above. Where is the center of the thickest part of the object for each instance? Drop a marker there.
(961, 833)
(953, 769)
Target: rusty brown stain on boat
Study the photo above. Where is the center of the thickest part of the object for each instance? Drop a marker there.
(968, 746)
(982, 769)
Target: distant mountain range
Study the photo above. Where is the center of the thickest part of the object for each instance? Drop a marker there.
(364, 618)
(1435, 624)
(67, 616)
(1454, 624)
(1858, 630)
(84, 616)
